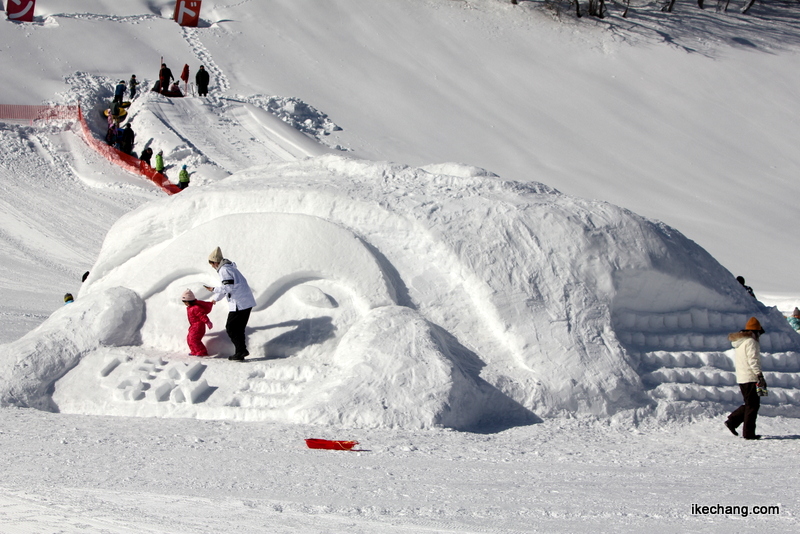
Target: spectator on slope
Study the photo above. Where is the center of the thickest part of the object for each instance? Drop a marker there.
(240, 301)
(132, 83)
(85, 276)
(183, 178)
(794, 319)
(747, 288)
(749, 377)
(112, 133)
(201, 79)
(119, 92)
(164, 77)
(197, 312)
(128, 137)
(160, 162)
(145, 156)
(120, 136)
(68, 298)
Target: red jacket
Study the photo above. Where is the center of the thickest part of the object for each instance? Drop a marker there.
(198, 313)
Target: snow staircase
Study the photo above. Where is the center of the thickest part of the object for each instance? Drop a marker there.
(686, 356)
(710, 377)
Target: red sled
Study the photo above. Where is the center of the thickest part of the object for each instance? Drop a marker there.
(328, 444)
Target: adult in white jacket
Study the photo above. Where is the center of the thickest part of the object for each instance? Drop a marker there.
(240, 301)
(749, 376)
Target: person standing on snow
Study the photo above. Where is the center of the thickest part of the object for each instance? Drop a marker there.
(201, 79)
(240, 301)
(749, 377)
(160, 162)
(197, 312)
(128, 137)
(164, 77)
(119, 92)
(183, 178)
(132, 83)
(145, 156)
(794, 320)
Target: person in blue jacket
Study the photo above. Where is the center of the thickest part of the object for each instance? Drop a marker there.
(119, 92)
(240, 301)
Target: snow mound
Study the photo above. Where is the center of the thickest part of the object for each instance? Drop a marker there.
(392, 296)
(32, 364)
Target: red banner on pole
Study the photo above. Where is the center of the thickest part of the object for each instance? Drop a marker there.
(187, 12)
(21, 10)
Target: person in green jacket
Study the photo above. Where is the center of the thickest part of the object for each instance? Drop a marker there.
(183, 178)
(160, 161)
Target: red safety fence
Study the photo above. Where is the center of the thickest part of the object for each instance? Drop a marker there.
(126, 161)
(117, 157)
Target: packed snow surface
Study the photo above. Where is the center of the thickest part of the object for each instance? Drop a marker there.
(512, 347)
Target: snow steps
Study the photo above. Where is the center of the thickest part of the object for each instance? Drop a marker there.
(155, 380)
(694, 330)
(710, 376)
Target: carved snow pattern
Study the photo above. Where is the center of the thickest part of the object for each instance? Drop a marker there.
(155, 380)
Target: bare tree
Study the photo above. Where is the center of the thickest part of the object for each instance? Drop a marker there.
(597, 8)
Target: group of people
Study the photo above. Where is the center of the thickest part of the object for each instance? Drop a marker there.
(119, 90)
(233, 287)
(120, 138)
(168, 85)
(183, 175)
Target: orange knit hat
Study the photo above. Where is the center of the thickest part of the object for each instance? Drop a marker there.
(754, 325)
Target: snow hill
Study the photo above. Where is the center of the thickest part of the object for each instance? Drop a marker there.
(391, 296)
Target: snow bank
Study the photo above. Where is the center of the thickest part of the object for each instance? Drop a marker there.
(406, 297)
(30, 366)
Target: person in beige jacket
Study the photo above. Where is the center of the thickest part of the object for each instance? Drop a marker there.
(749, 376)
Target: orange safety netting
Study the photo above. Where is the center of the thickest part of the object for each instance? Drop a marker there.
(126, 161)
(35, 113)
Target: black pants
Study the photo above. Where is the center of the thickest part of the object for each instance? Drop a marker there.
(202, 90)
(747, 412)
(237, 322)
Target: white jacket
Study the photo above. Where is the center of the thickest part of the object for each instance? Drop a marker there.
(234, 287)
(748, 357)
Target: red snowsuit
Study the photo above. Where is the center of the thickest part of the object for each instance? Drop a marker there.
(198, 319)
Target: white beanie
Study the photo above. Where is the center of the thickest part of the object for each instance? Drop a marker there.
(188, 296)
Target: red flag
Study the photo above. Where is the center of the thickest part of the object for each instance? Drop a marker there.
(185, 74)
(187, 12)
(21, 10)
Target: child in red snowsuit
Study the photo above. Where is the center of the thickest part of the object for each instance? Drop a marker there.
(197, 312)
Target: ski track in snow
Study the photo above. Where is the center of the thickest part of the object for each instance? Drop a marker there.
(220, 80)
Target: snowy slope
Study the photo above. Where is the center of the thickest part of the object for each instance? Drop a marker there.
(399, 298)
